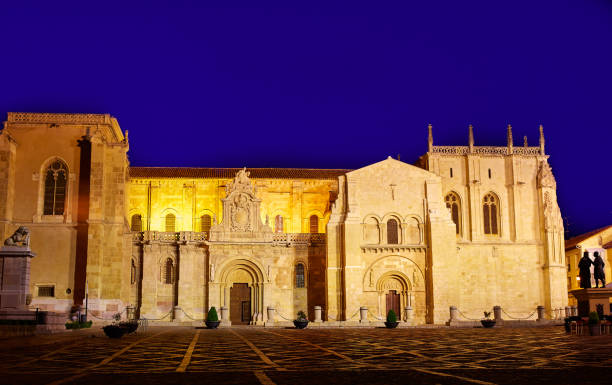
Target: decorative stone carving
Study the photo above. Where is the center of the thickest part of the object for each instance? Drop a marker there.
(241, 211)
(20, 238)
(545, 176)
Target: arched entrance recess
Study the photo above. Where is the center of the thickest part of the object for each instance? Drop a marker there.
(242, 291)
(394, 292)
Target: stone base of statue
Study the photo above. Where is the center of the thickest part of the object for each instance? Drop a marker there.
(594, 299)
(14, 277)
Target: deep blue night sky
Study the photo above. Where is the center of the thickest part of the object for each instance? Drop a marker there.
(341, 87)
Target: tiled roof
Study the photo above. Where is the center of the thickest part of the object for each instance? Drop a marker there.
(572, 242)
(228, 173)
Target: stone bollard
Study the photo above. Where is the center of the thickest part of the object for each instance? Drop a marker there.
(363, 314)
(271, 311)
(317, 313)
(224, 313)
(540, 313)
(574, 311)
(454, 313)
(568, 311)
(408, 313)
(497, 312)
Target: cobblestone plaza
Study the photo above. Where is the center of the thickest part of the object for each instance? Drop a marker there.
(280, 356)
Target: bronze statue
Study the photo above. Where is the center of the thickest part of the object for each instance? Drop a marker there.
(599, 273)
(585, 271)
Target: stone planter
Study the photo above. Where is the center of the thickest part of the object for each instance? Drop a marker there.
(595, 329)
(299, 324)
(212, 324)
(487, 323)
(129, 327)
(114, 331)
(391, 325)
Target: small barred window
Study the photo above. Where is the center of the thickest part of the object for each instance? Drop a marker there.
(278, 224)
(170, 223)
(299, 275)
(392, 233)
(46, 291)
(206, 223)
(314, 224)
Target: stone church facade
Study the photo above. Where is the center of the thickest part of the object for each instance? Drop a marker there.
(466, 226)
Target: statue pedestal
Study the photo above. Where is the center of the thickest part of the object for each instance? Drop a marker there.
(14, 277)
(591, 299)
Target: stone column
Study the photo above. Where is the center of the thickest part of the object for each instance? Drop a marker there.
(363, 314)
(271, 311)
(224, 316)
(409, 314)
(317, 313)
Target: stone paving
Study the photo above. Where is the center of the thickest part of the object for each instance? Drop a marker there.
(271, 355)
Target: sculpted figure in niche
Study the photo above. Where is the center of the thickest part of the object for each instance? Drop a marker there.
(585, 271)
(21, 237)
(599, 273)
(240, 211)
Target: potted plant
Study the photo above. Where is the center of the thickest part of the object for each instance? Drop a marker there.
(114, 330)
(594, 324)
(487, 322)
(391, 322)
(212, 319)
(301, 321)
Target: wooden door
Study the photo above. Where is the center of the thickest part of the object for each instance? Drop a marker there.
(240, 304)
(393, 302)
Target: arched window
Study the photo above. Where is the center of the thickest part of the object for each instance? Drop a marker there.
(314, 224)
(452, 202)
(170, 223)
(205, 223)
(136, 222)
(490, 211)
(168, 273)
(133, 272)
(278, 224)
(392, 238)
(55, 188)
(299, 275)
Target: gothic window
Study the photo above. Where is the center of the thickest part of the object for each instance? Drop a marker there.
(392, 238)
(133, 272)
(490, 209)
(136, 222)
(170, 223)
(205, 223)
(56, 177)
(278, 224)
(168, 272)
(452, 202)
(299, 275)
(314, 224)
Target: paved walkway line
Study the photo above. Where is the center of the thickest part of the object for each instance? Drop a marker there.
(319, 347)
(187, 358)
(467, 379)
(265, 380)
(85, 371)
(261, 354)
(31, 361)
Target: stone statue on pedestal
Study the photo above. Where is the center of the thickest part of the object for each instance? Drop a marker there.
(599, 273)
(20, 238)
(585, 271)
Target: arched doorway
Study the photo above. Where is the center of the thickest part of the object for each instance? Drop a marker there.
(242, 288)
(394, 293)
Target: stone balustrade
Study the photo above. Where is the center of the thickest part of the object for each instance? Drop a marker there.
(281, 239)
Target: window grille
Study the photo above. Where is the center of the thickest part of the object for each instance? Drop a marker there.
(55, 188)
(278, 224)
(136, 223)
(392, 238)
(46, 291)
(314, 224)
(205, 223)
(299, 275)
(490, 209)
(452, 202)
(170, 223)
(168, 277)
